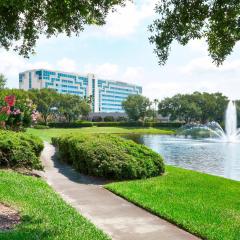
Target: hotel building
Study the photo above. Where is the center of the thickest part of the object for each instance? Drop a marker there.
(106, 95)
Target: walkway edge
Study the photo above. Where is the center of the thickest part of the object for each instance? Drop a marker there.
(117, 217)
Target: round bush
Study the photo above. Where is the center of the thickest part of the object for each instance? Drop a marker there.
(109, 156)
(20, 150)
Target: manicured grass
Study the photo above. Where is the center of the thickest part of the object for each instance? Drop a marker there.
(44, 214)
(205, 205)
(47, 134)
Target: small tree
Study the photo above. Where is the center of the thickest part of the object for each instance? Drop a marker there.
(45, 100)
(85, 108)
(3, 81)
(72, 107)
(136, 107)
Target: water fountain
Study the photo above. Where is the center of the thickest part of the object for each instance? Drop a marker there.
(213, 130)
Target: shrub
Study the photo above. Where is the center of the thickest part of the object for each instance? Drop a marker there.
(109, 119)
(115, 124)
(70, 125)
(20, 150)
(122, 119)
(97, 119)
(109, 156)
(40, 126)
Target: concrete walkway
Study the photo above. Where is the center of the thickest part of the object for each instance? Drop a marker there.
(117, 217)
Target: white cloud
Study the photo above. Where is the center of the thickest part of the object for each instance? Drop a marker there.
(133, 75)
(11, 64)
(200, 74)
(107, 70)
(126, 20)
(67, 65)
(198, 45)
(204, 65)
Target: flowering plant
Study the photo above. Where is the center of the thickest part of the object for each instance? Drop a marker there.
(10, 100)
(15, 116)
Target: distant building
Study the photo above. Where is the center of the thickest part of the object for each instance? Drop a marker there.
(106, 95)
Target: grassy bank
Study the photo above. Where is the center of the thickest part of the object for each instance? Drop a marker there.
(47, 134)
(205, 205)
(44, 214)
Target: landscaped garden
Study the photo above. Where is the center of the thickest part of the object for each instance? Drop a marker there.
(44, 215)
(142, 170)
(205, 205)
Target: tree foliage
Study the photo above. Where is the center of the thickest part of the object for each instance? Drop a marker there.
(217, 21)
(24, 21)
(48, 103)
(137, 107)
(45, 100)
(196, 107)
(3, 81)
(72, 106)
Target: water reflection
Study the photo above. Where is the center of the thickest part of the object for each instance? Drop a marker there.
(214, 157)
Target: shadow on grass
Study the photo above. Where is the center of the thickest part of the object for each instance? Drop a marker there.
(28, 229)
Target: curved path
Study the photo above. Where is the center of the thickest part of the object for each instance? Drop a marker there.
(117, 217)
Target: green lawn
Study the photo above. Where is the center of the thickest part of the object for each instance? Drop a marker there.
(47, 134)
(44, 214)
(205, 205)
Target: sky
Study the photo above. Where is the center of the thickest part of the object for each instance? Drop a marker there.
(120, 50)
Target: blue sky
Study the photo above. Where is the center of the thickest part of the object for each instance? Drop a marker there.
(120, 50)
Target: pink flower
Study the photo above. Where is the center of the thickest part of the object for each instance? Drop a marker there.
(17, 111)
(6, 110)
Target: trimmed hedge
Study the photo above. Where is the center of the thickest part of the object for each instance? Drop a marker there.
(40, 126)
(115, 124)
(109, 156)
(108, 119)
(19, 149)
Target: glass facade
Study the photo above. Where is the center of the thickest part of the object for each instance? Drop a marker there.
(105, 95)
(113, 93)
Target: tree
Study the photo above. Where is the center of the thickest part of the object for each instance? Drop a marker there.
(3, 81)
(155, 110)
(72, 106)
(24, 21)
(44, 99)
(85, 108)
(196, 107)
(136, 107)
(217, 21)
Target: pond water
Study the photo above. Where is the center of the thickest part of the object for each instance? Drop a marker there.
(208, 156)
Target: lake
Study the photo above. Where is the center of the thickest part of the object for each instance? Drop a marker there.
(203, 155)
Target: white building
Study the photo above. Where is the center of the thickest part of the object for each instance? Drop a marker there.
(106, 95)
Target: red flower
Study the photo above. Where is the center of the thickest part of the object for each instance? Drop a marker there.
(10, 100)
